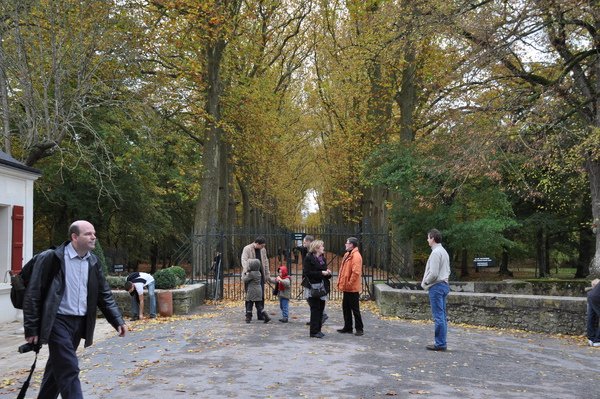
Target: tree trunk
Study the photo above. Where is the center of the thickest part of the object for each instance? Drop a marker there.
(593, 169)
(541, 252)
(208, 209)
(464, 264)
(406, 98)
(154, 257)
(4, 96)
(503, 271)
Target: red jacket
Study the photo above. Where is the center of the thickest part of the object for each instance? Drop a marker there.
(350, 276)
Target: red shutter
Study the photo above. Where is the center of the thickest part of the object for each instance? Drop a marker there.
(17, 239)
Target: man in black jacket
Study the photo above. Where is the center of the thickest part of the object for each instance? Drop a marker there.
(59, 308)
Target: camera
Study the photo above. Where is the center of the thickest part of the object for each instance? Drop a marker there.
(29, 347)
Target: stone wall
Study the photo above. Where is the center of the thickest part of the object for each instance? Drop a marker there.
(552, 288)
(551, 314)
(184, 299)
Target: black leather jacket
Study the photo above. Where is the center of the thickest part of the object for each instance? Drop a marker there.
(39, 313)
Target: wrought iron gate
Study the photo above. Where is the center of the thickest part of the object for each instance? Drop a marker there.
(224, 274)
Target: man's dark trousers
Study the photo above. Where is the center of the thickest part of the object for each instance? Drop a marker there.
(62, 369)
(351, 306)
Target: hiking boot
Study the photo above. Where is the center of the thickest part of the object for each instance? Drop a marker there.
(266, 317)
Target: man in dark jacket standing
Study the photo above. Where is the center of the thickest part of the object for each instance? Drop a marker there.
(59, 308)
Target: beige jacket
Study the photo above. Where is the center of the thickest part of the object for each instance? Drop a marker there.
(249, 253)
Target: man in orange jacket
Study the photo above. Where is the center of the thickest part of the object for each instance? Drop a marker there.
(350, 283)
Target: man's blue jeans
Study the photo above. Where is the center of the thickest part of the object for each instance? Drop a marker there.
(135, 307)
(593, 316)
(437, 299)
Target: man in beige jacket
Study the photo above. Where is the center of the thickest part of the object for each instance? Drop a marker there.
(256, 250)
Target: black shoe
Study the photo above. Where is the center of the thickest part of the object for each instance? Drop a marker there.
(134, 318)
(247, 320)
(436, 348)
(266, 318)
(153, 316)
(317, 335)
(359, 333)
(344, 331)
(323, 319)
(283, 320)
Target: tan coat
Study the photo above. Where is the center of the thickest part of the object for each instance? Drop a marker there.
(350, 275)
(249, 253)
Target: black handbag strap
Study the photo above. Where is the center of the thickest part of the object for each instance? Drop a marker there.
(26, 383)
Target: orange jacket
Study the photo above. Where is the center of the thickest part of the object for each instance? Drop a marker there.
(350, 276)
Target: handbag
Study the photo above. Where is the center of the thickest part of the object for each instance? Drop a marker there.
(318, 292)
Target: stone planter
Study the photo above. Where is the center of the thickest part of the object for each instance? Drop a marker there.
(184, 299)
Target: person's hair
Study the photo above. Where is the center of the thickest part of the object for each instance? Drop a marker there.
(312, 248)
(74, 229)
(308, 238)
(353, 241)
(260, 240)
(128, 285)
(435, 234)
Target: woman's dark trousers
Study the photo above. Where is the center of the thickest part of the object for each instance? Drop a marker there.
(317, 306)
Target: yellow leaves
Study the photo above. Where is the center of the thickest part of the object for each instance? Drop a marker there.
(7, 382)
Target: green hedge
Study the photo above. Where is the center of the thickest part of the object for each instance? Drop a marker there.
(116, 282)
(166, 278)
(180, 273)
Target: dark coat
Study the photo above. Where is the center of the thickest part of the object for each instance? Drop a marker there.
(253, 278)
(39, 314)
(312, 269)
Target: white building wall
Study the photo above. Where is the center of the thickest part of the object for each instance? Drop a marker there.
(16, 188)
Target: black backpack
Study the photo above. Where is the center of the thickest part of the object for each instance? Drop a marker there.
(20, 281)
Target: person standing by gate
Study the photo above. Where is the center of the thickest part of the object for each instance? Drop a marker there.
(435, 280)
(303, 249)
(256, 250)
(314, 274)
(135, 284)
(350, 283)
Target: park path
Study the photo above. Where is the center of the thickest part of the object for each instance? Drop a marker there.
(214, 354)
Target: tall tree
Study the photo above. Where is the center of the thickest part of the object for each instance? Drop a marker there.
(55, 65)
(550, 48)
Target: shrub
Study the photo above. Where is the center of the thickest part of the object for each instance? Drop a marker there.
(180, 273)
(116, 282)
(166, 278)
(100, 255)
